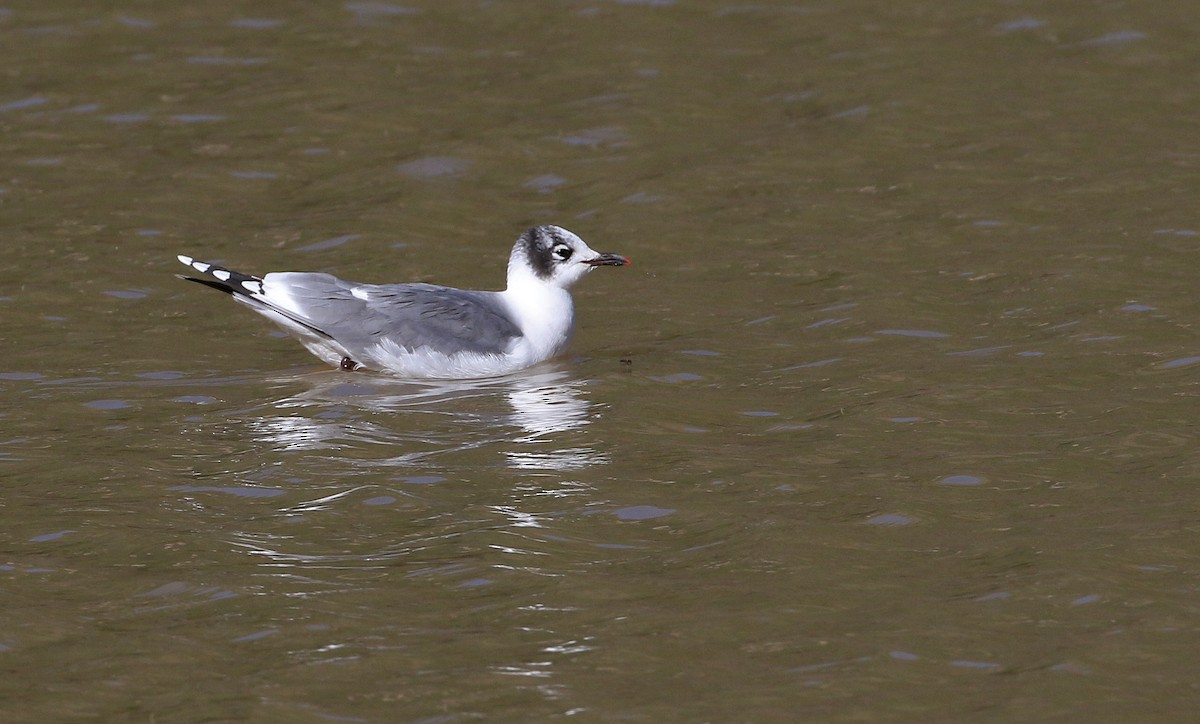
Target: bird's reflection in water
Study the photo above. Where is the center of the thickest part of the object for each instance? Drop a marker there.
(541, 409)
(527, 415)
(350, 440)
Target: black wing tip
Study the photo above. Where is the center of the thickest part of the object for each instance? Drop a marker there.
(220, 278)
(239, 290)
(219, 286)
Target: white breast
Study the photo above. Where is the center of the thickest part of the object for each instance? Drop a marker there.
(544, 312)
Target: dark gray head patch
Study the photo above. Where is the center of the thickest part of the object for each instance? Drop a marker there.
(540, 243)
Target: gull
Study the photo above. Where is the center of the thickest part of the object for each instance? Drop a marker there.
(424, 330)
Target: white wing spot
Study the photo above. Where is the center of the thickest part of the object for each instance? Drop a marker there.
(253, 286)
(361, 293)
(185, 259)
(201, 266)
(221, 274)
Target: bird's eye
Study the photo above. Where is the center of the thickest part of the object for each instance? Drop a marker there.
(562, 251)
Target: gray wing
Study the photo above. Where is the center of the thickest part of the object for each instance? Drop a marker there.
(357, 316)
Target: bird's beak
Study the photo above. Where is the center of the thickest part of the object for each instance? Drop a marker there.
(608, 260)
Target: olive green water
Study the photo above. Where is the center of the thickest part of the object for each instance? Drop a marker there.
(893, 418)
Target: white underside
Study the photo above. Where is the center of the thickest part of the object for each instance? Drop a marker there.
(391, 357)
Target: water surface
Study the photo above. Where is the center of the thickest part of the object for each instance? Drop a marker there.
(892, 418)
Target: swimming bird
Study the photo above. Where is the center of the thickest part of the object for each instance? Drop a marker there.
(423, 330)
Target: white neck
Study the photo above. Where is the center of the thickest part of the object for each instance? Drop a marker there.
(544, 311)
